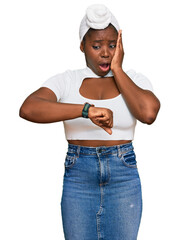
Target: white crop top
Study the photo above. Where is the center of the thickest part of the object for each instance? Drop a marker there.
(66, 87)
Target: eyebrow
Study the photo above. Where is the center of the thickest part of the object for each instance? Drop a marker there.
(103, 40)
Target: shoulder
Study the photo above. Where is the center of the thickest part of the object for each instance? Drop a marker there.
(140, 79)
(61, 83)
(62, 76)
(65, 77)
(72, 73)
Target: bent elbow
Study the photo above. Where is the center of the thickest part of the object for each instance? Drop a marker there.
(24, 113)
(152, 114)
(150, 120)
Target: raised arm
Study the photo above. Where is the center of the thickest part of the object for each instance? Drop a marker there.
(42, 107)
(143, 104)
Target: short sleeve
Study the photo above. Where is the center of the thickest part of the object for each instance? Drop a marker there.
(58, 84)
(140, 80)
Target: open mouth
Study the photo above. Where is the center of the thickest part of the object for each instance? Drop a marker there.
(104, 67)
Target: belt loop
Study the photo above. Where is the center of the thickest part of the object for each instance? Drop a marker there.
(78, 150)
(119, 150)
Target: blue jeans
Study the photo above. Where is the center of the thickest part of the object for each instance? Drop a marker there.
(101, 197)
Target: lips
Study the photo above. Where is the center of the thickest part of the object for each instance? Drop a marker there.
(104, 66)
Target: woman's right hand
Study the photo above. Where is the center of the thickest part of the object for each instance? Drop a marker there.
(102, 117)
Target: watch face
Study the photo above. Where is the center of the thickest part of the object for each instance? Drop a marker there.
(86, 107)
(85, 110)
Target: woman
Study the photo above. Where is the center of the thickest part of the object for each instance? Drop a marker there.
(101, 196)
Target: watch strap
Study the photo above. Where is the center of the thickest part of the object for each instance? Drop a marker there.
(85, 110)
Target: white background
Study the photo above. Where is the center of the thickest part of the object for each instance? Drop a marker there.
(39, 38)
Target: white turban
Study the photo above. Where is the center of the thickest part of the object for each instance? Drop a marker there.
(97, 16)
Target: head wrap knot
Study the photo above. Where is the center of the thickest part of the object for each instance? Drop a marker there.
(97, 16)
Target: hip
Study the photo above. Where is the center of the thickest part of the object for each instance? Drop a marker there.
(101, 165)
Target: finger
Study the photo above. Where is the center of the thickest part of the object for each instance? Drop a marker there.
(106, 123)
(103, 123)
(118, 39)
(111, 123)
(102, 119)
(100, 123)
(121, 43)
(108, 130)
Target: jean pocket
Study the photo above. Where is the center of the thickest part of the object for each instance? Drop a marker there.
(70, 160)
(129, 159)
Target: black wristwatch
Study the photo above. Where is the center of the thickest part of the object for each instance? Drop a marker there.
(85, 109)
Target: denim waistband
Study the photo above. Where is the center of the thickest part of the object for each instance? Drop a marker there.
(120, 149)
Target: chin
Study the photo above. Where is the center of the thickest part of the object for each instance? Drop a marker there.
(102, 73)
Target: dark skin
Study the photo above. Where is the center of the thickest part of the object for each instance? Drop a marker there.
(98, 88)
(106, 46)
(100, 46)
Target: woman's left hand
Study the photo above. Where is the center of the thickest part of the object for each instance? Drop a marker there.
(119, 53)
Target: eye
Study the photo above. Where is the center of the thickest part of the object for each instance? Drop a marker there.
(112, 45)
(96, 47)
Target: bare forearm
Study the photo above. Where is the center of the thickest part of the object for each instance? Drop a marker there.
(44, 111)
(143, 104)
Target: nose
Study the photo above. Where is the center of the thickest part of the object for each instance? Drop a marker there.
(105, 52)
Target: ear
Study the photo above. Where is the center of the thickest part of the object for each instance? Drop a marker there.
(82, 46)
